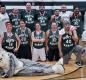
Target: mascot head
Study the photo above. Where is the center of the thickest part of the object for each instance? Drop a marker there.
(4, 58)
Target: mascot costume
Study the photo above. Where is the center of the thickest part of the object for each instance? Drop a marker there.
(10, 66)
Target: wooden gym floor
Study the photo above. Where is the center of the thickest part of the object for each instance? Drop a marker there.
(72, 72)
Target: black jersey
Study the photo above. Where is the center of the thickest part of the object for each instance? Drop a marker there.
(9, 42)
(39, 36)
(53, 39)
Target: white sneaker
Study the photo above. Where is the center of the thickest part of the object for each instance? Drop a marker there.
(60, 61)
(58, 68)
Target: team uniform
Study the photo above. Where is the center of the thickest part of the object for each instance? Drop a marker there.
(9, 42)
(24, 49)
(43, 19)
(58, 22)
(38, 50)
(29, 18)
(69, 46)
(53, 45)
(77, 22)
(3, 19)
(15, 19)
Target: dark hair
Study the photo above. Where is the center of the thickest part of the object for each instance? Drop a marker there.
(37, 23)
(53, 22)
(2, 5)
(22, 20)
(8, 22)
(56, 9)
(76, 7)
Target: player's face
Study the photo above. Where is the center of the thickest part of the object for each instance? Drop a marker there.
(15, 11)
(22, 24)
(9, 27)
(41, 9)
(54, 26)
(37, 26)
(67, 27)
(28, 6)
(63, 8)
(56, 12)
(76, 10)
(3, 10)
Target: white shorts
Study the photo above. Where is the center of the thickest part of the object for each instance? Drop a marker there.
(38, 53)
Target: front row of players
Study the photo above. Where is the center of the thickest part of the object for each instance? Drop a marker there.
(58, 43)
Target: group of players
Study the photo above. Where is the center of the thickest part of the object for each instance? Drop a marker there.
(37, 35)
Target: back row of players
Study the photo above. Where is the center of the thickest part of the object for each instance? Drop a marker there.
(46, 30)
(31, 16)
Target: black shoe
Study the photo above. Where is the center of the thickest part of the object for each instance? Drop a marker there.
(79, 64)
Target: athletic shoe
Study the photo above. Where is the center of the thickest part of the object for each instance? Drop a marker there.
(58, 68)
(60, 61)
(79, 64)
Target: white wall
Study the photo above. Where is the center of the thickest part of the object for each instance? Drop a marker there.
(37, 7)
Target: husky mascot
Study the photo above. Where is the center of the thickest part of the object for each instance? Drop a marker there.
(10, 66)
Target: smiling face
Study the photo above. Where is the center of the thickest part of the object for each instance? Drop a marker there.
(76, 10)
(56, 12)
(63, 8)
(54, 26)
(9, 27)
(28, 7)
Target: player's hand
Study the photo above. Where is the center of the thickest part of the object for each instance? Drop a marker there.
(47, 48)
(41, 40)
(16, 49)
(70, 33)
(61, 54)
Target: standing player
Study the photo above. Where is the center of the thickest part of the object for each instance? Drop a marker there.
(43, 18)
(57, 18)
(38, 41)
(76, 20)
(65, 15)
(10, 40)
(24, 34)
(68, 43)
(15, 18)
(28, 16)
(52, 43)
(3, 19)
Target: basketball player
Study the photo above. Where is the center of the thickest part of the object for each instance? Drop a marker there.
(38, 41)
(24, 34)
(65, 15)
(52, 43)
(28, 15)
(3, 19)
(67, 43)
(76, 20)
(10, 40)
(15, 18)
(57, 18)
(43, 18)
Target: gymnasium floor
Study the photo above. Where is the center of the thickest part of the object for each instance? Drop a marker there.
(72, 72)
